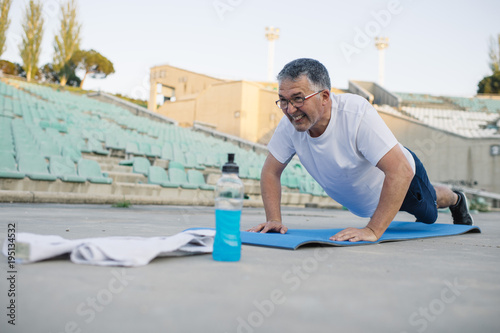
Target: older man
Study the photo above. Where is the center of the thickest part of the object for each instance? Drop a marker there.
(348, 149)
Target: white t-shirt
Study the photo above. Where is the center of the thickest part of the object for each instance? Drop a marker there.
(343, 159)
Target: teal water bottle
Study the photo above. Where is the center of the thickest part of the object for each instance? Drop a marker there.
(228, 205)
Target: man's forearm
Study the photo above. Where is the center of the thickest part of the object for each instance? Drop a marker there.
(271, 196)
(393, 193)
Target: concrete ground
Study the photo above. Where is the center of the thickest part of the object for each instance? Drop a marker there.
(448, 284)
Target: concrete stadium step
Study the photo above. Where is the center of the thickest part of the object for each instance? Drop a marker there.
(128, 177)
(115, 168)
(26, 190)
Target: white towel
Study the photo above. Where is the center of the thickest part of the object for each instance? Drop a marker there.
(111, 251)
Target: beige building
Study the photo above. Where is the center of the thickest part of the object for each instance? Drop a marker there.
(240, 108)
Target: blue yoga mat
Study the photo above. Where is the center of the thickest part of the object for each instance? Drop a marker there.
(397, 231)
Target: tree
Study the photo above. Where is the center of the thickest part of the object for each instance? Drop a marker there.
(93, 63)
(32, 39)
(10, 68)
(495, 54)
(491, 84)
(4, 22)
(49, 74)
(68, 40)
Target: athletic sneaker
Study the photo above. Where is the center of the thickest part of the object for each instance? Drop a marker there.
(460, 211)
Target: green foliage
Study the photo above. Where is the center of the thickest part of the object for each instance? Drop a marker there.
(49, 74)
(139, 102)
(4, 22)
(33, 32)
(10, 68)
(495, 54)
(67, 41)
(490, 84)
(122, 204)
(93, 63)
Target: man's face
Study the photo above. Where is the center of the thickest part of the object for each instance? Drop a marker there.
(311, 116)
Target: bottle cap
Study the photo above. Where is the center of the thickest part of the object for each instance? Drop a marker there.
(230, 166)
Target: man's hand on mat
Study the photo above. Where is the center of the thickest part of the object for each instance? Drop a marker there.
(355, 235)
(273, 226)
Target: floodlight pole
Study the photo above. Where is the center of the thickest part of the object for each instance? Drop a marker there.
(271, 34)
(381, 43)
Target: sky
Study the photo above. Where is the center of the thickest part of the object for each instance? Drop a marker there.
(436, 47)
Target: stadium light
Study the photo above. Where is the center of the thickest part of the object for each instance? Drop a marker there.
(272, 34)
(381, 43)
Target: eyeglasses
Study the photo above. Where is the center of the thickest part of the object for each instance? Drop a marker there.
(297, 102)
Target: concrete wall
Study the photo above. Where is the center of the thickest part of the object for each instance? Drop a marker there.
(448, 157)
(220, 105)
(183, 111)
(184, 82)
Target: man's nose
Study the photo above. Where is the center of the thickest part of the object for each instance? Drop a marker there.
(290, 108)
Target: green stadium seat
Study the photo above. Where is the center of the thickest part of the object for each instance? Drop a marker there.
(178, 176)
(145, 149)
(132, 148)
(95, 146)
(49, 149)
(212, 161)
(306, 186)
(167, 152)
(114, 142)
(155, 151)
(141, 165)
(179, 157)
(64, 168)
(8, 168)
(90, 170)
(195, 177)
(192, 162)
(159, 176)
(73, 153)
(35, 167)
(175, 165)
(254, 172)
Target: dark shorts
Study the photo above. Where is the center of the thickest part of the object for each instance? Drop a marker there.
(420, 200)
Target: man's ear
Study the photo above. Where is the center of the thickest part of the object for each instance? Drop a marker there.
(325, 97)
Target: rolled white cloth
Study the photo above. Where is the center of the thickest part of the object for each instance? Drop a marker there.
(111, 251)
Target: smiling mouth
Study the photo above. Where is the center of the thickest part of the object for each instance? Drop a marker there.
(298, 118)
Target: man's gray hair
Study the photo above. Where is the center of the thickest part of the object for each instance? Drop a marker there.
(315, 72)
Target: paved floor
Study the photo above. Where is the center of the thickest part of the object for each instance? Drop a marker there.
(449, 284)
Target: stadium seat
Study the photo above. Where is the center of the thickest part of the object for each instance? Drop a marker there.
(254, 172)
(192, 162)
(141, 165)
(158, 176)
(178, 176)
(113, 141)
(212, 161)
(179, 155)
(166, 152)
(73, 153)
(95, 146)
(195, 177)
(132, 148)
(90, 170)
(145, 148)
(155, 151)
(8, 168)
(175, 165)
(35, 167)
(48, 148)
(64, 169)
